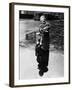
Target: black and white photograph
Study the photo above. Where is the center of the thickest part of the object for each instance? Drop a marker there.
(41, 44)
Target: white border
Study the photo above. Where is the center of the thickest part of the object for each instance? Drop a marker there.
(16, 44)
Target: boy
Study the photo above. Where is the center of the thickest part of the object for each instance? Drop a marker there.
(42, 46)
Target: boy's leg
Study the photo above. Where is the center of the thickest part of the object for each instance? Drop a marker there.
(44, 63)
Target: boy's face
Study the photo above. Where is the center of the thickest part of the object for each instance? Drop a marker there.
(42, 19)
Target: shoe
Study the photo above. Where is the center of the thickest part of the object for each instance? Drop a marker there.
(41, 73)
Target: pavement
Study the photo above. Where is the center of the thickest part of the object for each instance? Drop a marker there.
(29, 65)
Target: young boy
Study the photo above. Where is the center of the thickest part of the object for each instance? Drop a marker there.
(42, 46)
(43, 29)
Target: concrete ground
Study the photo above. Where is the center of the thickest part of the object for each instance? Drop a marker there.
(28, 64)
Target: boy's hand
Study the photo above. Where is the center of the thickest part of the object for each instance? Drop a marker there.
(45, 29)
